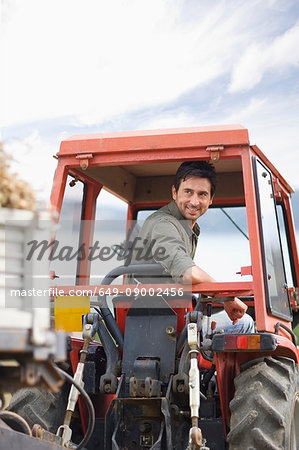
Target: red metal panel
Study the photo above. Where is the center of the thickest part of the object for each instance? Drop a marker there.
(255, 244)
(264, 321)
(227, 289)
(58, 187)
(155, 139)
(180, 307)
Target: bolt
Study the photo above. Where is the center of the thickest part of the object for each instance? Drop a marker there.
(180, 388)
(37, 431)
(170, 331)
(107, 388)
(122, 426)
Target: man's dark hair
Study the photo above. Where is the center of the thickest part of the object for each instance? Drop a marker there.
(201, 169)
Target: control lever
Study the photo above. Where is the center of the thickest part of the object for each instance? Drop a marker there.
(90, 327)
(196, 440)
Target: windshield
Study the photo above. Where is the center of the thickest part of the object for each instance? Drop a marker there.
(274, 268)
(223, 245)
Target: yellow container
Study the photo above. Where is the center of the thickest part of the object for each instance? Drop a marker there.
(69, 311)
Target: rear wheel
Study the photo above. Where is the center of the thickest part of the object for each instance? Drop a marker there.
(265, 407)
(39, 406)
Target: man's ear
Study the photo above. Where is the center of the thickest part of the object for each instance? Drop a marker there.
(173, 192)
(211, 201)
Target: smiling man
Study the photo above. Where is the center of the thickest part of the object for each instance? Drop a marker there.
(174, 229)
(192, 192)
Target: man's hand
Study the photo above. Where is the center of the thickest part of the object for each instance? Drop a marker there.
(235, 309)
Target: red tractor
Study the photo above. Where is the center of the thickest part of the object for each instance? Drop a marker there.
(154, 380)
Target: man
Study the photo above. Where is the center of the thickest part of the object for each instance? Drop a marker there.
(170, 236)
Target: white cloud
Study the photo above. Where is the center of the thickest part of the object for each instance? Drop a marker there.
(273, 126)
(73, 57)
(281, 54)
(94, 60)
(248, 111)
(272, 123)
(174, 119)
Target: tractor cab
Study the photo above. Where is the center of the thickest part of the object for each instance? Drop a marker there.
(105, 186)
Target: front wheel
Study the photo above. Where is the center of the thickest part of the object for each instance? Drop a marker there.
(265, 407)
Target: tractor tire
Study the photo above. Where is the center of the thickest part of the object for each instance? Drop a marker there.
(265, 407)
(39, 406)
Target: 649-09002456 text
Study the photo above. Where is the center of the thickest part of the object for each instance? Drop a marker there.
(100, 291)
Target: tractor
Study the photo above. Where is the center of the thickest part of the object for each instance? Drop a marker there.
(143, 373)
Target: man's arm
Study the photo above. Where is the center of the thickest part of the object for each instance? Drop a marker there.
(235, 309)
(195, 275)
(165, 235)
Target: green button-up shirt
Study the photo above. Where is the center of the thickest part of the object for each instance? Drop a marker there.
(167, 238)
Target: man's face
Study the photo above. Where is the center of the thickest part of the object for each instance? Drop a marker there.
(193, 197)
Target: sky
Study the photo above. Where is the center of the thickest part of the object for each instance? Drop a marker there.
(74, 66)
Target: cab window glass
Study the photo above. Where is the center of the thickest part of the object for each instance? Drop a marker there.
(109, 235)
(272, 254)
(223, 245)
(67, 237)
(285, 246)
